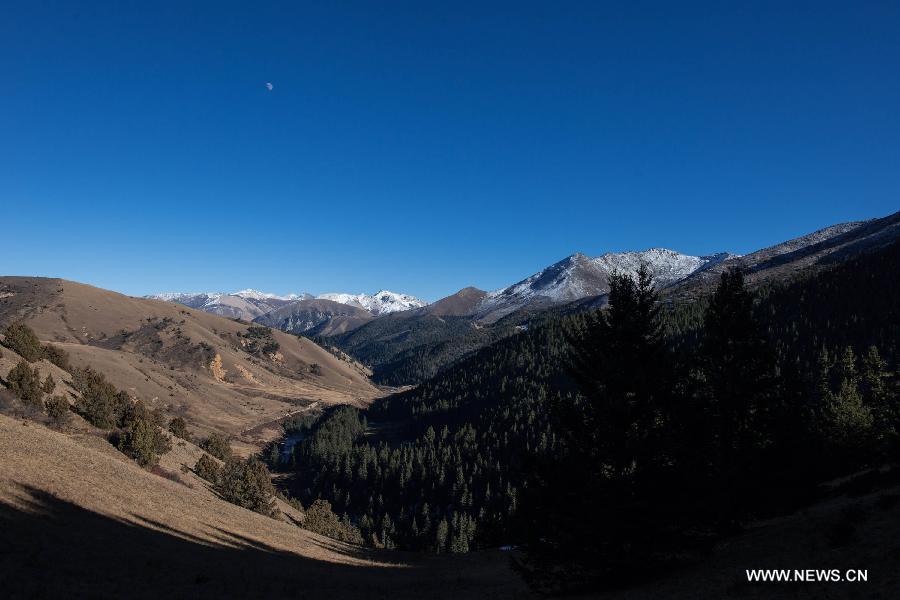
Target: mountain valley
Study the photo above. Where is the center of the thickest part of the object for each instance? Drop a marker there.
(297, 386)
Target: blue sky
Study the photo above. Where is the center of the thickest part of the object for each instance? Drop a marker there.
(422, 148)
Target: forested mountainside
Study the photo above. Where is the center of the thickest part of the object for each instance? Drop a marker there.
(663, 426)
(408, 348)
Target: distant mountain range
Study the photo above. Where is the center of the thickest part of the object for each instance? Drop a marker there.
(410, 346)
(245, 304)
(573, 278)
(577, 280)
(250, 304)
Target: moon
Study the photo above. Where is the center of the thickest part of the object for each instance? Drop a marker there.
(270, 87)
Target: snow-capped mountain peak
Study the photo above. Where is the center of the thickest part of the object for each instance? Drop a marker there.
(249, 303)
(667, 266)
(244, 304)
(379, 303)
(257, 295)
(580, 276)
(179, 296)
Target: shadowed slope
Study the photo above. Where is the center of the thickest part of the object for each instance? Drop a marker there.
(828, 246)
(77, 521)
(50, 547)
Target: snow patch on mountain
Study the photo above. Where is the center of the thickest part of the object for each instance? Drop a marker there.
(244, 304)
(178, 296)
(257, 295)
(201, 300)
(250, 303)
(212, 297)
(667, 266)
(379, 303)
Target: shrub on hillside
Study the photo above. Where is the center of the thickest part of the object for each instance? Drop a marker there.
(315, 369)
(208, 469)
(57, 408)
(321, 519)
(259, 339)
(258, 331)
(217, 445)
(22, 340)
(57, 356)
(247, 483)
(144, 442)
(49, 384)
(178, 427)
(98, 403)
(129, 411)
(25, 383)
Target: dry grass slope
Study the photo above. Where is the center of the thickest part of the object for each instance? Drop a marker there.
(81, 520)
(165, 354)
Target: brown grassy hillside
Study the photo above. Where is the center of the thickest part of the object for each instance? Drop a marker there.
(219, 374)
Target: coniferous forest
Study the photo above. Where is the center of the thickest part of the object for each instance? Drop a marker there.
(607, 442)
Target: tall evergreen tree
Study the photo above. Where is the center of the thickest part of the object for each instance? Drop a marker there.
(875, 388)
(849, 421)
(590, 516)
(738, 367)
(738, 393)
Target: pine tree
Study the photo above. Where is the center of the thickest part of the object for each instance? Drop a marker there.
(875, 390)
(387, 532)
(587, 513)
(440, 536)
(738, 367)
(737, 395)
(849, 420)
